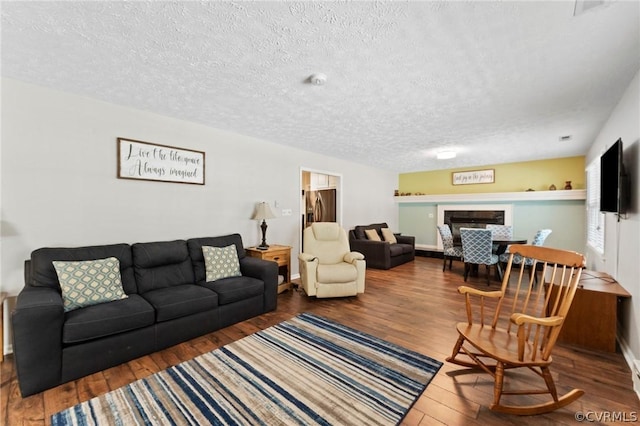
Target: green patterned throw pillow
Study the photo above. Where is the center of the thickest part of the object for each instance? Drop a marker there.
(89, 282)
(221, 262)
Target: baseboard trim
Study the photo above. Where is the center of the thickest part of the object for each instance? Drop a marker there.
(629, 358)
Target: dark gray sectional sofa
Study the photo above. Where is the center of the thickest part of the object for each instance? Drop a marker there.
(168, 302)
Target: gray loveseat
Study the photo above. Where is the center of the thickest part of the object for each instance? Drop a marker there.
(168, 301)
(382, 254)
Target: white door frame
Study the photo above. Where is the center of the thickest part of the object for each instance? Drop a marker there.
(301, 204)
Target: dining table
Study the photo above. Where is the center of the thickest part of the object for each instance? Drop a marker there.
(503, 243)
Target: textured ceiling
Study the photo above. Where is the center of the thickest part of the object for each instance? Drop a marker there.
(495, 81)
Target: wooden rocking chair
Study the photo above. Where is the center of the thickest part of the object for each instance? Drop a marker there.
(524, 326)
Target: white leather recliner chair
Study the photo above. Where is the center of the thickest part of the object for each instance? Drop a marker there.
(327, 266)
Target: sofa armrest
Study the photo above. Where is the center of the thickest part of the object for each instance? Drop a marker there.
(267, 271)
(37, 322)
(308, 265)
(406, 239)
(353, 256)
(305, 257)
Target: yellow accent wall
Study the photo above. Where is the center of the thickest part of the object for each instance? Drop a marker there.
(509, 177)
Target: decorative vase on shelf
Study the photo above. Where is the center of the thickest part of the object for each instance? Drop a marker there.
(552, 187)
(567, 185)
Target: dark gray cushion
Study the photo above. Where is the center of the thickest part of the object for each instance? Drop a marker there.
(395, 250)
(180, 301)
(43, 274)
(162, 264)
(406, 248)
(105, 319)
(234, 289)
(195, 251)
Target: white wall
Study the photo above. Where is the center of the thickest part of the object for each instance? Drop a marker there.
(59, 184)
(622, 239)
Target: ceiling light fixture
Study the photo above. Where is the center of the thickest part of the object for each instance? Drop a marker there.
(318, 79)
(445, 155)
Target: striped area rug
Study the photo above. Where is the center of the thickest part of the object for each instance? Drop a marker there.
(308, 370)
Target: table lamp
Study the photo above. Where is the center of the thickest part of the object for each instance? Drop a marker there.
(263, 211)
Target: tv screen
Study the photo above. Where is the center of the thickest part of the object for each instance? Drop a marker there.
(611, 179)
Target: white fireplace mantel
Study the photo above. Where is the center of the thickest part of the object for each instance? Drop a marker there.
(559, 195)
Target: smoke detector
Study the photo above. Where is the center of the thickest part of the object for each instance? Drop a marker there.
(318, 79)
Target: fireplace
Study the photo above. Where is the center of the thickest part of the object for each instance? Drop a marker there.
(457, 219)
(472, 216)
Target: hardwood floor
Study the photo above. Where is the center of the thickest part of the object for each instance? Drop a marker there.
(415, 305)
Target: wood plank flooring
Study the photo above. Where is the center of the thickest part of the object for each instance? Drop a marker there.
(415, 305)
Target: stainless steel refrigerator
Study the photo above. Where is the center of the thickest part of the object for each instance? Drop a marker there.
(320, 206)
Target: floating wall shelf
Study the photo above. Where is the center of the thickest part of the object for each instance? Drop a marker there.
(559, 195)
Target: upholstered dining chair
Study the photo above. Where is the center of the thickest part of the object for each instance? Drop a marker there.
(328, 267)
(538, 240)
(449, 251)
(520, 329)
(500, 232)
(477, 250)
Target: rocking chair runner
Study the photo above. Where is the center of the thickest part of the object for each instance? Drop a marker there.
(524, 327)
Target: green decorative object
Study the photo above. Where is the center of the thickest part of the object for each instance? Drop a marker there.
(221, 262)
(90, 282)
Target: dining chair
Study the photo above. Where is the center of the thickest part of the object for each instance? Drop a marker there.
(520, 330)
(538, 240)
(476, 250)
(450, 251)
(500, 232)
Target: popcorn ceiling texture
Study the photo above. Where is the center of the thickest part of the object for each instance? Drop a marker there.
(496, 81)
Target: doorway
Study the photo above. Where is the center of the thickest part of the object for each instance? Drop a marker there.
(321, 198)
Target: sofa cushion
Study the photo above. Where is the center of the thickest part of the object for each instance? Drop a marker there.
(337, 273)
(107, 319)
(396, 249)
(359, 231)
(181, 301)
(162, 264)
(221, 262)
(234, 289)
(89, 282)
(372, 235)
(388, 235)
(195, 251)
(43, 274)
(406, 248)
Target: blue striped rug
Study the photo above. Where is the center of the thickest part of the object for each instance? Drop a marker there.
(308, 370)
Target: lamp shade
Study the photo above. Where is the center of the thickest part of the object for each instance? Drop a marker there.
(263, 211)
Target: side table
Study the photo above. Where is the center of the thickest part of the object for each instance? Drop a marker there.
(593, 317)
(279, 254)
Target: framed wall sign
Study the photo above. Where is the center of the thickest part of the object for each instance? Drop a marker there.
(473, 176)
(161, 163)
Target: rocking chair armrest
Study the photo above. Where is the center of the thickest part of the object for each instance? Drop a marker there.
(519, 319)
(463, 289)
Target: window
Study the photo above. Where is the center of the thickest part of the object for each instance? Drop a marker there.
(595, 219)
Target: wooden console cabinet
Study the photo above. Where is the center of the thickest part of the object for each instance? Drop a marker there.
(279, 254)
(593, 317)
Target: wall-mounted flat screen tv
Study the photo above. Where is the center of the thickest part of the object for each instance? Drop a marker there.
(613, 180)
